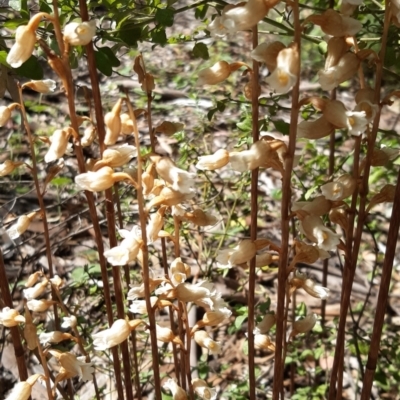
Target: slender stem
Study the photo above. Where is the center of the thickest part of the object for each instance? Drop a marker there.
(285, 218)
(15, 336)
(253, 225)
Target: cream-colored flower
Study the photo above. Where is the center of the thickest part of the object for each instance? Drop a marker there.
(116, 334)
(339, 189)
(214, 161)
(240, 254)
(263, 342)
(177, 392)
(40, 305)
(314, 229)
(285, 74)
(117, 157)
(10, 317)
(139, 306)
(54, 337)
(316, 129)
(59, 144)
(301, 280)
(318, 206)
(202, 390)
(25, 39)
(128, 250)
(265, 324)
(267, 53)
(8, 166)
(204, 340)
(5, 114)
(179, 271)
(112, 121)
(69, 322)
(43, 86)
(22, 390)
(36, 291)
(80, 33)
(304, 325)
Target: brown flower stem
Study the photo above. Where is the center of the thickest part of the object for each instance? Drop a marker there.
(40, 200)
(188, 344)
(285, 220)
(351, 260)
(45, 369)
(145, 264)
(253, 223)
(15, 336)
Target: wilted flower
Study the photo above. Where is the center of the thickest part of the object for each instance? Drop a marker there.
(177, 392)
(316, 129)
(25, 39)
(214, 161)
(203, 339)
(313, 289)
(284, 76)
(339, 189)
(115, 335)
(200, 218)
(10, 317)
(80, 33)
(8, 166)
(240, 254)
(202, 390)
(346, 68)
(386, 194)
(22, 390)
(314, 229)
(128, 250)
(334, 24)
(215, 74)
(44, 86)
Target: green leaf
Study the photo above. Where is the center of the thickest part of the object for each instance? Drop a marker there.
(30, 69)
(239, 321)
(159, 36)
(61, 181)
(310, 192)
(3, 57)
(79, 275)
(15, 23)
(102, 63)
(282, 126)
(201, 11)
(200, 50)
(111, 56)
(165, 16)
(129, 33)
(44, 7)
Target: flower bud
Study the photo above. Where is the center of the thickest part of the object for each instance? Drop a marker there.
(79, 33)
(22, 390)
(214, 161)
(22, 49)
(304, 325)
(215, 74)
(155, 224)
(169, 128)
(177, 392)
(115, 335)
(112, 121)
(202, 390)
(203, 340)
(148, 178)
(8, 166)
(59, 144)
(10, 317)
(166, 335)
(44, 86)
(126, 124)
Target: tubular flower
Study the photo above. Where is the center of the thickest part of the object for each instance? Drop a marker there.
(301, 281)
(334, 24)
(213, 318)
(248, 160)
(166, 335)
(346, 68)
(40, 305)
(267, 53)
(55, 337)
(8, 166)
(241, 17)
(337, 47)
(336, 113)
(317, 129)
(179, 271)
(214, 161)
(169, 197)
(36, 291)
(116, 157)
(128, 250)
(180, 180)
(5, 114)
(79, 33)
(33, 278)
(188, 292)
(339, 189)
(263, 342)
(155, 224)
(365, 99)
(314, 229)
(202, 390)
(22, 390)
(318, 206)
(25, 39)
(115, 335)
(203, 340)
(177, 392)
(284, 76)
(139, 306)
(240, 254)
(59, 144)
(215, 74)
(44, 86)
(10, 317)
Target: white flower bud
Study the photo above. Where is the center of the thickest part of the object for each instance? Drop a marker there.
(203, 339)
(80, 33)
